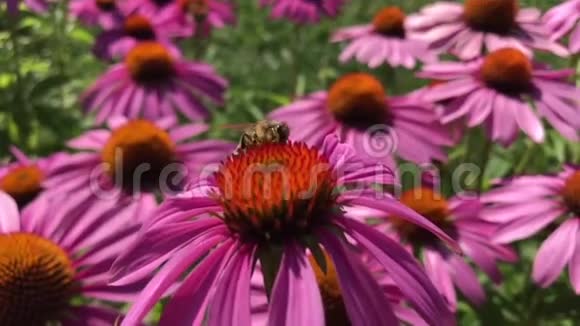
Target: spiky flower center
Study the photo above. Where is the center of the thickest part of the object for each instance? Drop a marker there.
(571, 193)
(429, 204)
(139, 27)
(136, 155)
(358, 100)
(150, 63)
(106, 5)
(276, 190)
(390, 21)
(508, 71)
(23, 183)
(328, 284)
(199, 9)
(36, 280)
(492, 16)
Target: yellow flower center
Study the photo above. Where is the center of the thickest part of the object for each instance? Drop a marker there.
(429, 204)
(36, 280)
(276, 190)
(358, 100)
(23, 183)
(508, 71)
(390, 21)
(150, 63)
(137, 153)
(493, 16)
(571, 193)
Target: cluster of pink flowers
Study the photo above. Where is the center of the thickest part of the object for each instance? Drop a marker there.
(144, 207)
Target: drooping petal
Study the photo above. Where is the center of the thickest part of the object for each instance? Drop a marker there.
(161, 282)
(188, 305)
(555, 253)
(295, 296)
(404, 271)
(231, 301)
(393, 207)
(364, 299)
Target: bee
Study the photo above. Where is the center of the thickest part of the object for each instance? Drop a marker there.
(263, 132)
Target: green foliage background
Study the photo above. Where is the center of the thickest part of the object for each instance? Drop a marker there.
(45, 64)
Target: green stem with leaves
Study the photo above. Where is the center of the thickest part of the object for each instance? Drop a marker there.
(576, 66)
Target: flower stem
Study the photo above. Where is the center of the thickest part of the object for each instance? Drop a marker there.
(576, 65)
(523, 163)
(484, 162)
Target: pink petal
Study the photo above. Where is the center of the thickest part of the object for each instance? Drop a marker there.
(438, 270)
(364, 299)
(168, 275)
(231, 301)
(295, 296)
(574, 266)
(555, 253)
(467, 281)
(404, 270)
(393, 207)
(188, 305)
(9, 215)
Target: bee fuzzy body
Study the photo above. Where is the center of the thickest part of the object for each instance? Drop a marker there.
(263, 132)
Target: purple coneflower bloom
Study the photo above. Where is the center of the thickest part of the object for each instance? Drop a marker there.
(496, 92)
(459, 217)
(335, 312)
(135, 27)
(154, 82)
(383, 41)
(133, 161)
(529, 204)
(23, 179)
(465, 29)
(357, 108)
(304, 11)
(54, 259)
(564, 18)
(197, 17)
(270, 203)
(105, 13)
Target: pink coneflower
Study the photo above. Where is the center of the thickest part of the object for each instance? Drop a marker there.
(459, 217)
(133, 161)
(105, 13)
(154, 82)
(496, 91)
(564, 18)
(269, 203)
(357, 108)
(335, 312)
(23, 179)
(465, 29)
(136, 27)
(529, 204)
(383, 41)
(54, 261)
(303, 11)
